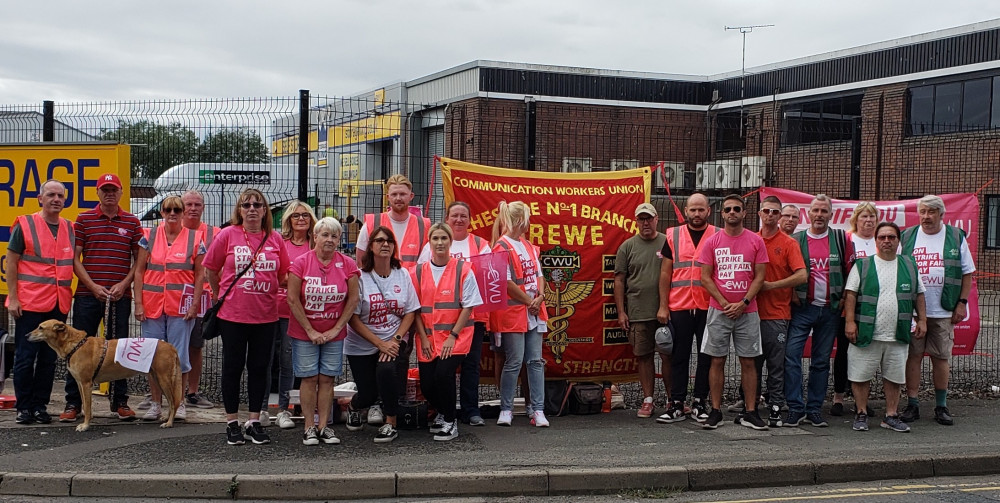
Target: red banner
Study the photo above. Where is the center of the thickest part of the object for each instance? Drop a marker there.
(962, 211)
(578, 221)
(491, 274)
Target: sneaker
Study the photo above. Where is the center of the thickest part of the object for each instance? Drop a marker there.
(699, 412)
(506, 417)
(816, 419)
(328, 436)
(910, 414)
(646, 410)
(265, 418)
(675, 413)
(145, 403)
(738, 420)
(538, 419)
(196, 400)
(234, 434)
(41, 417)
(375, 415)
(310, 437)
(477, 421)
(713, 421)
(752, 420)
(774, 417)
(125, 413)
(837, 409)
(181, 414)
(448, 432)
(943, 416)
(861, 422)
(256, 432)
(437, 424)
(69, 414)
(24, 417)
(353, 420)
(794, 418)
(284, 420)
(387, 433)
(737, 407)
(895, 424)
(152, 413)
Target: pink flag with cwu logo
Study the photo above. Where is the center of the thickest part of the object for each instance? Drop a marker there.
(491, 274)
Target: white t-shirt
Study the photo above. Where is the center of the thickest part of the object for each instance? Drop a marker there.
(927, 252)
(459, 249)
(887, 309)
(470, 287)
(864, 247)
(531, 274)
(398, 229)
(381, 314)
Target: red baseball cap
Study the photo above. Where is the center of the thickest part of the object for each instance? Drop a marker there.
(109, 179)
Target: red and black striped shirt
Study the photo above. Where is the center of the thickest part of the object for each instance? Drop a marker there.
(108, 244)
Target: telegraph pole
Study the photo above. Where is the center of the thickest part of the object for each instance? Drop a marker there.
(743, 69)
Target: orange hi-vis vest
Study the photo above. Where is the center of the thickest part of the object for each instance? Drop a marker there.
(475, 247)
(441, 305)
(515, 317)
(169, 269)
(686, 292)
(413, 240)
(46, 262)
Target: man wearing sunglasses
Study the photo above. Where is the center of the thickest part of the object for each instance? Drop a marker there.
(733, 264)
(409, 229)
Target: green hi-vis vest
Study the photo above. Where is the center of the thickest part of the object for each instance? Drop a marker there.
(838, 266)
(868, 293)
(952, 256)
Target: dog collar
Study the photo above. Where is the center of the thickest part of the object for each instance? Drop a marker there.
(73, 351)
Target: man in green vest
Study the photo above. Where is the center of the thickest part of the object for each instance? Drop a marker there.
(945, 264)
(879, 299)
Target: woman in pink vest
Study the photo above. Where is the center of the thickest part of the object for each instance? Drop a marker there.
(523, 324)
(448, 291)
(322, 295)
(168, 276)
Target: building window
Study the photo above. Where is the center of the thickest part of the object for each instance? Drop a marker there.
(993, 221)
(820, 121)
(730, 131)
(953, 107)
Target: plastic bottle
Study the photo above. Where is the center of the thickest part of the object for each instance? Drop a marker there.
(606, 406)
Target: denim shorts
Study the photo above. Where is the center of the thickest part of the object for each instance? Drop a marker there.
(310, 359)
(173, 329)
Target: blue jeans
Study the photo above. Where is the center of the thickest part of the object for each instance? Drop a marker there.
(174, 330)
(823, 323)
(518, 348)
(34, 362)
(469, 380)
(87, 315)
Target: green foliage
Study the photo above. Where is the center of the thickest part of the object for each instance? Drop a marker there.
(233, 145)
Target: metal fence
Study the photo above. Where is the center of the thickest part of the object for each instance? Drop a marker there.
(346, 148)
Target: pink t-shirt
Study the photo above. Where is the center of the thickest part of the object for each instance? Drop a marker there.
(819, 269)
(324, 291)
(733, 260)
(294, 251)
(254, 298)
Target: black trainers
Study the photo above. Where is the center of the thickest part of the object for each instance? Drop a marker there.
(752, 420)
(674, 413)
(42, 417)
(774, 417)
(448, 432)
(816, 419)
(354, 420)
(910, 414)
(699, 412)
(234, 434)
(837, 409)
(713, 421)
(386, 433)
(256, 433)
(860, 422)
(943, 416)
(893, 423)
(310, 436)
(24, 417)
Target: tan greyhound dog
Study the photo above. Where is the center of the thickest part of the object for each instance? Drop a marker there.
(92, 359)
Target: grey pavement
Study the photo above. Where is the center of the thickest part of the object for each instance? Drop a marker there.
(602, 453)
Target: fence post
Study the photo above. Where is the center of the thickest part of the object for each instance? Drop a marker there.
(303, 144)
(856, 158)
(48, 120)
(529, 133)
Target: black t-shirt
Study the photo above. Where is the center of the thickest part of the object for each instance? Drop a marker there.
(667, 252)
(16, 243)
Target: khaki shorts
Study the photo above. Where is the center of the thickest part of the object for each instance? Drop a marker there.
(890, 356)
(938, 342)
(642, 335)
(743, 332)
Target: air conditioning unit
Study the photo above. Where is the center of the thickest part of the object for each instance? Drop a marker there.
(752, 171)
(623, 164)
(577, 165)
(727, 174)
(704, 175)
(673, 172)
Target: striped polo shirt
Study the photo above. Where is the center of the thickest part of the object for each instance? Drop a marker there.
(107, 244)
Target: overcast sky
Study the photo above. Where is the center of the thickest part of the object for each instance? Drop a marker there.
(66, 50)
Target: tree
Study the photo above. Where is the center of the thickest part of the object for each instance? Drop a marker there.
(155, 147)
(233, 145)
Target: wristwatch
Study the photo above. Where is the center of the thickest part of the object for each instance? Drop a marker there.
(746, 301)
(964, 301)
(397, 337)
(453, 334)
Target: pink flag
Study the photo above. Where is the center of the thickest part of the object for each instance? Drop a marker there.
(491, 274)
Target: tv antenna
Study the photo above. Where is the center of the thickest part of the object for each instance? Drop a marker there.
(743, 69)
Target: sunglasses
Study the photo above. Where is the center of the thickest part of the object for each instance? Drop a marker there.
(886, 238)
(247, 206)
(167, 211)
(733, 209)
(771, 212)
(299, 216)
(379, 241)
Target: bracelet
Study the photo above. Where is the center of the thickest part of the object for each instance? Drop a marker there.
(453, 334)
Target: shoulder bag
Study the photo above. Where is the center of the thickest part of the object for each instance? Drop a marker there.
(210, 328)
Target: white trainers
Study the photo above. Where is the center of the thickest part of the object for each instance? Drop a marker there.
(181, 414)
(538, 419)
(506, 416)
(284, 420)
(153, 413)
(145, 403)
(265, 419)
(375, 416)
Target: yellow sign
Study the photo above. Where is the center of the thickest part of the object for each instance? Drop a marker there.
(349, 133)
(379, 97)
(350, 172)
(24, 168)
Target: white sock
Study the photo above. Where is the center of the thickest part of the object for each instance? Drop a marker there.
(648, 399)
